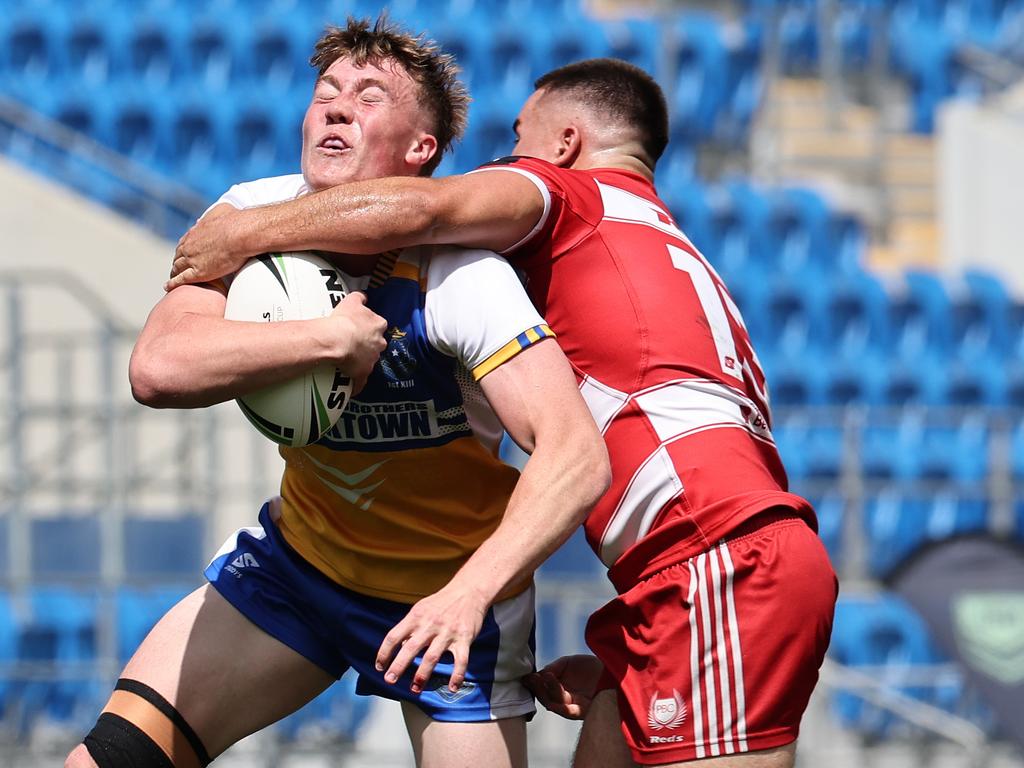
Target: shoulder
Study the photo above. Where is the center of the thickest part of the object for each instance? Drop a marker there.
(266, 191)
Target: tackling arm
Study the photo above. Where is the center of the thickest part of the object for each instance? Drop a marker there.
(536, 396)
(485, 210)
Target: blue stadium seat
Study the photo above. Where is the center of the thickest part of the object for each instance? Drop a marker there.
(636, 40)
(65, 547)
(505, 55)
(198, 142)
(798, 38)
(278, 52)
(897, 523)
(791, 382)
(846, 243)
(29, 50)
(830, 507)
(165, 548)
(979, 304)
(888, 638)
(925, 52)
(812, 450)
(1017, 453)
(853, 379)
(958, 452)
(791, 314)
(555, 45)
(94, 46)
(211, 53)
(919, 315)
(744, 82)
(59, 633)
(154, 48)
(134, 124)
(855, 317)
(9, 627)
(699, 63)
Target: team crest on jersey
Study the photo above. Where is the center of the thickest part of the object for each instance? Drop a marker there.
(396, 361)
(666, 713)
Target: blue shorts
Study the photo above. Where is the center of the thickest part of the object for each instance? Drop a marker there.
(335, 628)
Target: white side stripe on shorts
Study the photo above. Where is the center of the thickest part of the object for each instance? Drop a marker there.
(695, 705)
(737, 654)
(715, 681)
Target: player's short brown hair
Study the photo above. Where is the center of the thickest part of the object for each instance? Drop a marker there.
(435, 72)
(620, 91)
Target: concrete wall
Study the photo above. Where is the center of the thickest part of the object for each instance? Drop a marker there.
(981, 165)
(84, 261)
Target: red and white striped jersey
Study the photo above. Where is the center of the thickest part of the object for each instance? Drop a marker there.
(664, 362)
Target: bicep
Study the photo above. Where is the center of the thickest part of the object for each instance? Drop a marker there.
(204, 299)
(491, 209)
(536, 397)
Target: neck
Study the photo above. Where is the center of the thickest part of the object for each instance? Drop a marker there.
(613, 159)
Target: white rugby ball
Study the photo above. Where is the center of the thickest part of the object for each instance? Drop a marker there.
(273, 288)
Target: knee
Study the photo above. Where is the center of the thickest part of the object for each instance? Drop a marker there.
(79, 758)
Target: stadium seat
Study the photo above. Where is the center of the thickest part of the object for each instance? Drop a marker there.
(1016, 457)
(791, 382)
(154, 48)
(744, 82)
(65, 547)
(58, 637)
(8, 655)
(94, 46)
(898, 522)
(553, 46)
(979, 309)
(798, 38)
(791, 315)
(699, 64)
(278, 52)
(211, 53)
(29, 50)
(855, 316)
(165, 548)
(505, 55)
(888, 639)
(134, 125)
(919, 315)
(849, 378)
(636, 40)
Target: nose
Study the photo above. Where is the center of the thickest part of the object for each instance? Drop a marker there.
(339, 111)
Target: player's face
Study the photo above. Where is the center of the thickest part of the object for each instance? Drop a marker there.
(363, 123)
(538, 131)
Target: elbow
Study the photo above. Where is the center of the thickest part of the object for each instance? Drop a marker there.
(594, 473)
(149, 382)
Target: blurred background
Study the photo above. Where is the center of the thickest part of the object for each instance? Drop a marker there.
(852, 168)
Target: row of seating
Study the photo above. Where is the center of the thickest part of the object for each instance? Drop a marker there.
(922, 40)
(882, 637)
(50, 651)
(99, 72)
(911, 448)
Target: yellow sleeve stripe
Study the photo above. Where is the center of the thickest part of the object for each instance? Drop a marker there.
(513, 348)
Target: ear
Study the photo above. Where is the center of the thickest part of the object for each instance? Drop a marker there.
(421, 150)
(568, 149)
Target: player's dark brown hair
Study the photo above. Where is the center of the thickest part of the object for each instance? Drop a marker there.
(435, 72)
(619, 90)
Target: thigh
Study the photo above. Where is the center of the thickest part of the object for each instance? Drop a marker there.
(437, 744)
(717, 656)
(601, 743)
(499, 657)
(223, 674)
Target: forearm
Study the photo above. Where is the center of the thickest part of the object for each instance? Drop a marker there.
(358, 218)
(557, 489)
(202, 360)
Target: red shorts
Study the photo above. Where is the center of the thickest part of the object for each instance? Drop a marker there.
(719, 654)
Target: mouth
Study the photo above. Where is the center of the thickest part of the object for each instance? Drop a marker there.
(332, 144)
